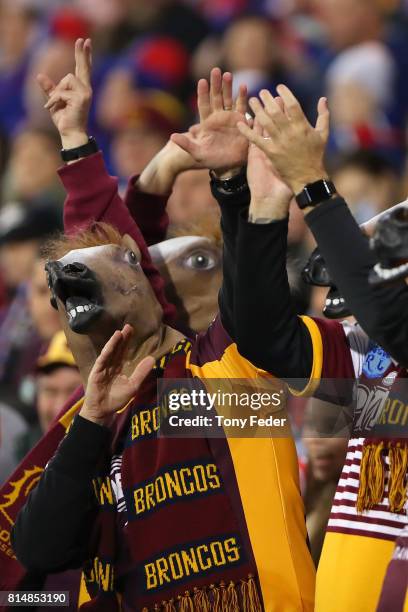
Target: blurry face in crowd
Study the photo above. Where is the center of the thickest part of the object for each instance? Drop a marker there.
(249, 45)
(191, 198)
(53, 390)
(326, 455)
(133, 149)
(16, 261)
(352, 104)
(348, 22)
(119, 87)
(44, 316)
(15, 29)
(54, 58)
(365, 194)
(33, 163)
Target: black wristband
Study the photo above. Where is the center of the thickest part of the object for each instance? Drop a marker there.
(315, 193)
(235, 184)
(83, 151)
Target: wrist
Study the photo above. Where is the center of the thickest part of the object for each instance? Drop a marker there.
(94, 417)
(71, 140)
(266, 210)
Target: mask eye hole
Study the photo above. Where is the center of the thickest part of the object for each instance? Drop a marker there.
(200, 260)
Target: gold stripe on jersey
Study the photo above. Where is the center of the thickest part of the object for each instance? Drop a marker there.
(317, 366)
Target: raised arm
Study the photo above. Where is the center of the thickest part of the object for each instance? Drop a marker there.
(297, 150)
(92, 195)
(216, 143)
(52, 530)
(268, 331)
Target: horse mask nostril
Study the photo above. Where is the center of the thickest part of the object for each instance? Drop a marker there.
(76, 269)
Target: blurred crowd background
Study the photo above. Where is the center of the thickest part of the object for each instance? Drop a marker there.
(148, 56)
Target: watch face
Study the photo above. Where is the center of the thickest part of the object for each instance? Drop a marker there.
(318, 191)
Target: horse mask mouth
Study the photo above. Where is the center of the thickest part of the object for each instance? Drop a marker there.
(80, 292)
(390, 243)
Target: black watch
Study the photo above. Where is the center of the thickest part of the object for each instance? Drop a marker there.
(235, 184)
(315, 193)
(83, 151)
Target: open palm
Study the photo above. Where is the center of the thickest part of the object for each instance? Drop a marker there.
(216, 142)
(108, 389)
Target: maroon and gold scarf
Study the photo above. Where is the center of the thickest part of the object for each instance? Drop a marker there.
(182, 543)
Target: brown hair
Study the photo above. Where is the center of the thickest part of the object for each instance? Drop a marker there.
(207, 226)
(98, 234)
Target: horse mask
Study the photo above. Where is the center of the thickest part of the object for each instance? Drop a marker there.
(98, 286)
(390, 243)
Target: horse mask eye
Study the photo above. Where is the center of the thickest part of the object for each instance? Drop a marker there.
(200, 260)
(131, 257)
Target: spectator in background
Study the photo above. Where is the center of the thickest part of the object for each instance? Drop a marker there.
(325, 458)
(53, 55)
(142, 130)
(18, 35)
(361, 86)
(22, 232)
(371, 61)
(56, 379)
(43, 316)
(191, 199)
(30, 174)
(251, 52)
(368, 182)
(12, 427)
(350, 22)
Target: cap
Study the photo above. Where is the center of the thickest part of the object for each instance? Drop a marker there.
(19, 223)
(57, 354)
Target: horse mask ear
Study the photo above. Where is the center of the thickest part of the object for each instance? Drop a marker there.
(131, 245)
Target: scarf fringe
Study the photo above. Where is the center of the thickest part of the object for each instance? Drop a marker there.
(217, 598)
(372, 474)
(397, 493)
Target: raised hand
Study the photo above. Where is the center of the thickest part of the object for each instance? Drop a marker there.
(108, 389)
(295, 147)
(69, 101)
(270, 196)
(216, 143)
